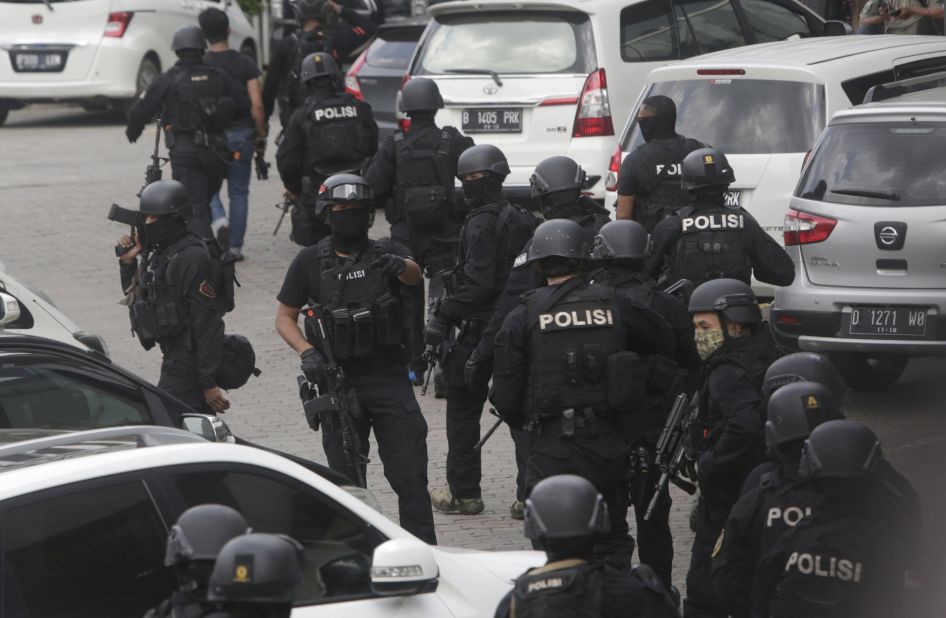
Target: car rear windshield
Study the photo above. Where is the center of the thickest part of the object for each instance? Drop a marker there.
(510, 42)
(392, 50)
(890, 164)
(744, 116)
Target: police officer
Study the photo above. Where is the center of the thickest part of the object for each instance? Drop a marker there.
(556, 183)
(257, 576)
(413, 173)
(568, 362)
(332, 132)
(349, 276)
(620, 249)
(323, 26)
(709, 240)
(176, 297)
(565, 514)
(491, 238)
(195, 102)
(776, 502)
(727, 433)
(192, 546)
(649, 179)
(856, 556)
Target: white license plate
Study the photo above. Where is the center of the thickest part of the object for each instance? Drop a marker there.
(40, 61)
(492, 120)
(904, 322)
(733, 199)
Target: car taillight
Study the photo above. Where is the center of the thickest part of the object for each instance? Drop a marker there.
(593, 118)
(352, 86)
(403, 121)
(802, 228)
(721, 72)
(611, 180)
(117, 24)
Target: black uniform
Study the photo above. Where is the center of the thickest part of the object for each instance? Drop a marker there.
(333, 132)
(651, 175)
(728, 436)
(642, 428)
(375, 365)
(578, 588)
(179, 304)
(196, 143)
(412, 176)
(712, 241)
(182, 605)
(551, 377)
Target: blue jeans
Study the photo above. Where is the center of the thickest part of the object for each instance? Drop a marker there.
(241, 140)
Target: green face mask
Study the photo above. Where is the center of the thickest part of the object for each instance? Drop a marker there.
(708, 342)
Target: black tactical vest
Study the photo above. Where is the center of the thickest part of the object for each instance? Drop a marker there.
(197, 100)
(569, 345)
(363, 316)
(783, 506)
(666, 197)
(335, 136)
(425, 194)
(712, 245)
(566, 589)
(303, 44)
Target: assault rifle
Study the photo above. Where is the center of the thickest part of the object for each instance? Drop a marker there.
(128, 217)
(671, 451)
(284, 207)
(336, 404)
(431, 353)
(499, 421)
(153, 171)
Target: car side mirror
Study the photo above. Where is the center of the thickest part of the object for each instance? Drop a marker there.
(207, 426)
(837, 28)
(9, 309)
(346, 575)
(403, 567)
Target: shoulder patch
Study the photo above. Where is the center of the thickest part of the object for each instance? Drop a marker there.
(521, 259)
(207, 290)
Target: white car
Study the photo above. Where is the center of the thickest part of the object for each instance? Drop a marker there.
(39, 316)
(84, 518)
(96, 52)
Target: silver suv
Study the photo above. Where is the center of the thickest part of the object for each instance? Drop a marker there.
(866, 229)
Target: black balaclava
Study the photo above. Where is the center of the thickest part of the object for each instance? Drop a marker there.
(561, 204)
(322, 87)
(557, 266)
(422, 118)
(478, 192)
(163, 232)
(662, 125)
(350, 227)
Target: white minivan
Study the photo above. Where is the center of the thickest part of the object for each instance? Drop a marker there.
(549, 77)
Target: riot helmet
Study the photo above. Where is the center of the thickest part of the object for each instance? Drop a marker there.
(557, 183)
(258, 568)
(188, 39)
(621, 240)
(201, 531)
(565, 507)
(165, 197)
(558, 238)
(706, 168)
(661, 119)
(237, 362)
(841, 449)
(729, 298)
(318, 65)
(795, 410)
(421, 95)
(803, 366)
(309, 9)
(482, 158)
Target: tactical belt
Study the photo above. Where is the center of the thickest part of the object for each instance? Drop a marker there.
(571, 422)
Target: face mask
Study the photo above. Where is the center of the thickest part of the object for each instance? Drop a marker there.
(708, 342)
(657, 127)
(349, 226)
(647, 125)
(161, 232)
(476, 191)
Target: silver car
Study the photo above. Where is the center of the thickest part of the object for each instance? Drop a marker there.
(866, 229)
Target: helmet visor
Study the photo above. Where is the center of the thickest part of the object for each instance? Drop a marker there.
(349, 192)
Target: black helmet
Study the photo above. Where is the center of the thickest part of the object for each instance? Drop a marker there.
(731, 297)
(344, 189)
(706, 167)
(309, 9)
(800, 366)
(318, 65)
(237, 362)
(188, 38)
(558, 237)
(165, 197)
(796, 409)
(841, 450)
(621, 240)
(258, 568)
(557, 174)
(482, 158)
(565, 507)
(421, 95)
(200, 533)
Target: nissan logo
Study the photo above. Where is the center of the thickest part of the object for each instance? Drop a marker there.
(490, 89)
(888, 235)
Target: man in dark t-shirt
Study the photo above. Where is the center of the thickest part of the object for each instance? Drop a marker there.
(245, 135)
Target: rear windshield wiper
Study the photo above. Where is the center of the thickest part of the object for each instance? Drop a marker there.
(492, 74)
(49, 5)
(881, 195)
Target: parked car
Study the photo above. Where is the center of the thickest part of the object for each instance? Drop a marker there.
(544, 77)
(765, 105)
(86, 516)
(865, 229)
(95, 52)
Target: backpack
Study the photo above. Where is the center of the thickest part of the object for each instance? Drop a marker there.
(197, 99)
(515, 225)
(426, 204)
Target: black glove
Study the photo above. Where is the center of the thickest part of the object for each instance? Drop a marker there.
(476, 372)
(314, 366)
(132, 135)
(391, 265)
(436, 330)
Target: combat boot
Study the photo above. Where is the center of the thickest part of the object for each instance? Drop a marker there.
(518, 510)
(445, 502)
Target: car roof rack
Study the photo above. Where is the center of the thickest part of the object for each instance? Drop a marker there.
(890, 90)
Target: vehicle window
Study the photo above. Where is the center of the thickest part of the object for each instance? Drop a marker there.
(889, 164)
(390, 53)
(92, 553)
(745, 116)
(774, 22)
(36, 393)
(646, 32)
(702, 26)
(706, 26)
(338, 551)
(510, 42)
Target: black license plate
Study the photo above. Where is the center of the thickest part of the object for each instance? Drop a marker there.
(38, 62)
(899, 322)
(493, 120)
(733, 199)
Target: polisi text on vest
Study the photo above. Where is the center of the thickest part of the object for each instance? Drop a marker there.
(713, 222)
(576, 319)
(335, 113)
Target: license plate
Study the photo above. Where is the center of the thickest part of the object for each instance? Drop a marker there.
(733, 199)
(492, 120)
(900, 322)
(38, 61)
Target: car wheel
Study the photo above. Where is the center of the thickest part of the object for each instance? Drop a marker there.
(148, 71)
(869, 371)
(4, 111)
